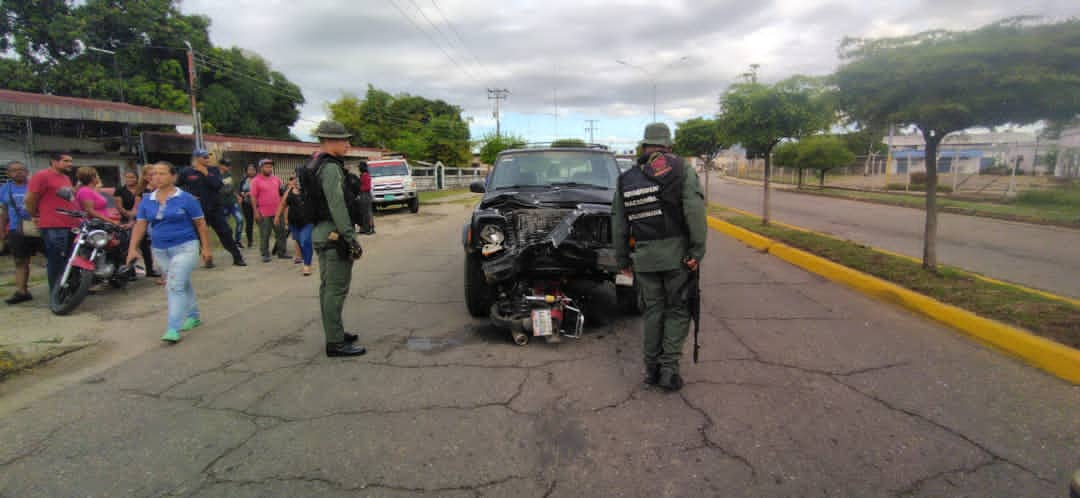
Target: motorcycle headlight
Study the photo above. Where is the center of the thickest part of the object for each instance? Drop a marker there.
(97, 238)
(492, 234)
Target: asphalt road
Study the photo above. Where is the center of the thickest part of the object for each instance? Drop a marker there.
(805, 389)
(1037, 256)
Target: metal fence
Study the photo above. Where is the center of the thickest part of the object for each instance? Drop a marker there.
(427, 178)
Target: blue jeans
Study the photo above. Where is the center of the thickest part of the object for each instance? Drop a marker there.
(302, 236)
(177, 262)
(57, 248)
(238, 220)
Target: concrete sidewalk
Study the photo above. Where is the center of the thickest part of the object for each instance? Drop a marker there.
(805, 389)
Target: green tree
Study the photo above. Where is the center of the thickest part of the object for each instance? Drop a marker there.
(423, 129)
(493, 145)
(822, 153)
(569, 142)
(759, 116)
(786, 154)
(1016, 71)
(47, 40)
(697, 137)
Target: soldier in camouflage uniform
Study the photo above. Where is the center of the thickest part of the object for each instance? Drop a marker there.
(332, 217)
(659, 228)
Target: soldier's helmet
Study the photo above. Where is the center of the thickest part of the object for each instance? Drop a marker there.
(657, 134)
(331, 129)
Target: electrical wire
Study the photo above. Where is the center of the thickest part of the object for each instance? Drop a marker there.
(430, 38)
(461, 40)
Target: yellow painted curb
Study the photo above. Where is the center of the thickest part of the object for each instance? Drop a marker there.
(1058, 359)
(1048, 295)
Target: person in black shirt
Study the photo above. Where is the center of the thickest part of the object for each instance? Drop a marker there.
(292, 209)
(125, 196)
(128, 197)
(204, 183)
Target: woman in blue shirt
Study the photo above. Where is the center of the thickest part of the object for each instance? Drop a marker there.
(176, 219)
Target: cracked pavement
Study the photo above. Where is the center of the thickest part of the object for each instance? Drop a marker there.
(804, 389)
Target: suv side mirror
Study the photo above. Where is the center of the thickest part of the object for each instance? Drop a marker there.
(477, 187)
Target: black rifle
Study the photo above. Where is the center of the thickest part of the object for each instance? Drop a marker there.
(693, 302)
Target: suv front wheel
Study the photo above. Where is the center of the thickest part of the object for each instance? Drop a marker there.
(478, 295)
(414, 205)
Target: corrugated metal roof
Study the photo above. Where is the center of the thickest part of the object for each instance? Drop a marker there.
(39, 105)
(266, 145)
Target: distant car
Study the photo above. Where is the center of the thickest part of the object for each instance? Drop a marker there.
(392, 183)
(624, 164)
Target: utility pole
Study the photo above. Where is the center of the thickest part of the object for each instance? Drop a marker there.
(555, 96)
(497, 94)
(591, 129)
(191, 89)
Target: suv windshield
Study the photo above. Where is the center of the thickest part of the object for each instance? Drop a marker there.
(548, 168)
(389, 169)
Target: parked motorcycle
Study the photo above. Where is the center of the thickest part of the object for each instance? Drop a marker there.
(97, 255)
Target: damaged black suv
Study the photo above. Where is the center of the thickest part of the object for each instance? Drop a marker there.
(538, 247)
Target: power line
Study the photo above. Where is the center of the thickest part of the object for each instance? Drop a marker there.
(461, 41)
(206, 64)
(429, 37)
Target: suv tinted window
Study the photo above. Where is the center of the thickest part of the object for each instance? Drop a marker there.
(546, 168)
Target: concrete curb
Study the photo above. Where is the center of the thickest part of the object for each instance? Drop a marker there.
(1057, 359)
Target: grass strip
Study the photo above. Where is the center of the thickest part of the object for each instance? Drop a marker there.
(1062, 211)
(1049, 318)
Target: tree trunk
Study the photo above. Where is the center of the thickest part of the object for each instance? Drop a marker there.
(930, 235)
(765, 208)
(800, 177)
(822, 179)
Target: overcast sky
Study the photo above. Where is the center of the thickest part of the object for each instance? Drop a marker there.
(567, 50)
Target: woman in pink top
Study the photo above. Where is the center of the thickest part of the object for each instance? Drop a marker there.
(89, 199)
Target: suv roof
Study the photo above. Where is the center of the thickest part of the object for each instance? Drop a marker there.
(529, 148)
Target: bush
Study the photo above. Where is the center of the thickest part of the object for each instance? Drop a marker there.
(1054, 197)
(918, 187)
(918, 177)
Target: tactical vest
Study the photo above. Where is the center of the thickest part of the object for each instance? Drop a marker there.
(315, 206)
(652, 198)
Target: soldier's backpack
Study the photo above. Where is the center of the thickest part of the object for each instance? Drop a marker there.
(314, 199)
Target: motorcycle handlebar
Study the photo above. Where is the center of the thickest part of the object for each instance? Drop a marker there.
(71, 213)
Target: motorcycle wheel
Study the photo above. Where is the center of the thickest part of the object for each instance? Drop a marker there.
(65, 298)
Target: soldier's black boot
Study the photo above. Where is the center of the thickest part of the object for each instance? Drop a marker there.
(652, 374)
(670, 379)
(344, 349)
(351, 337)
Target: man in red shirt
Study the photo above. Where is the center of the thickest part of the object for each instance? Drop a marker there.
(42, 201)
(266, 190)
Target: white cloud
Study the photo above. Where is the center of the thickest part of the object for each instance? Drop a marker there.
(331, 46)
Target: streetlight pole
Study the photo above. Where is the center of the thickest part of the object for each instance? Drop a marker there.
(652, 77)
(116, 67)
